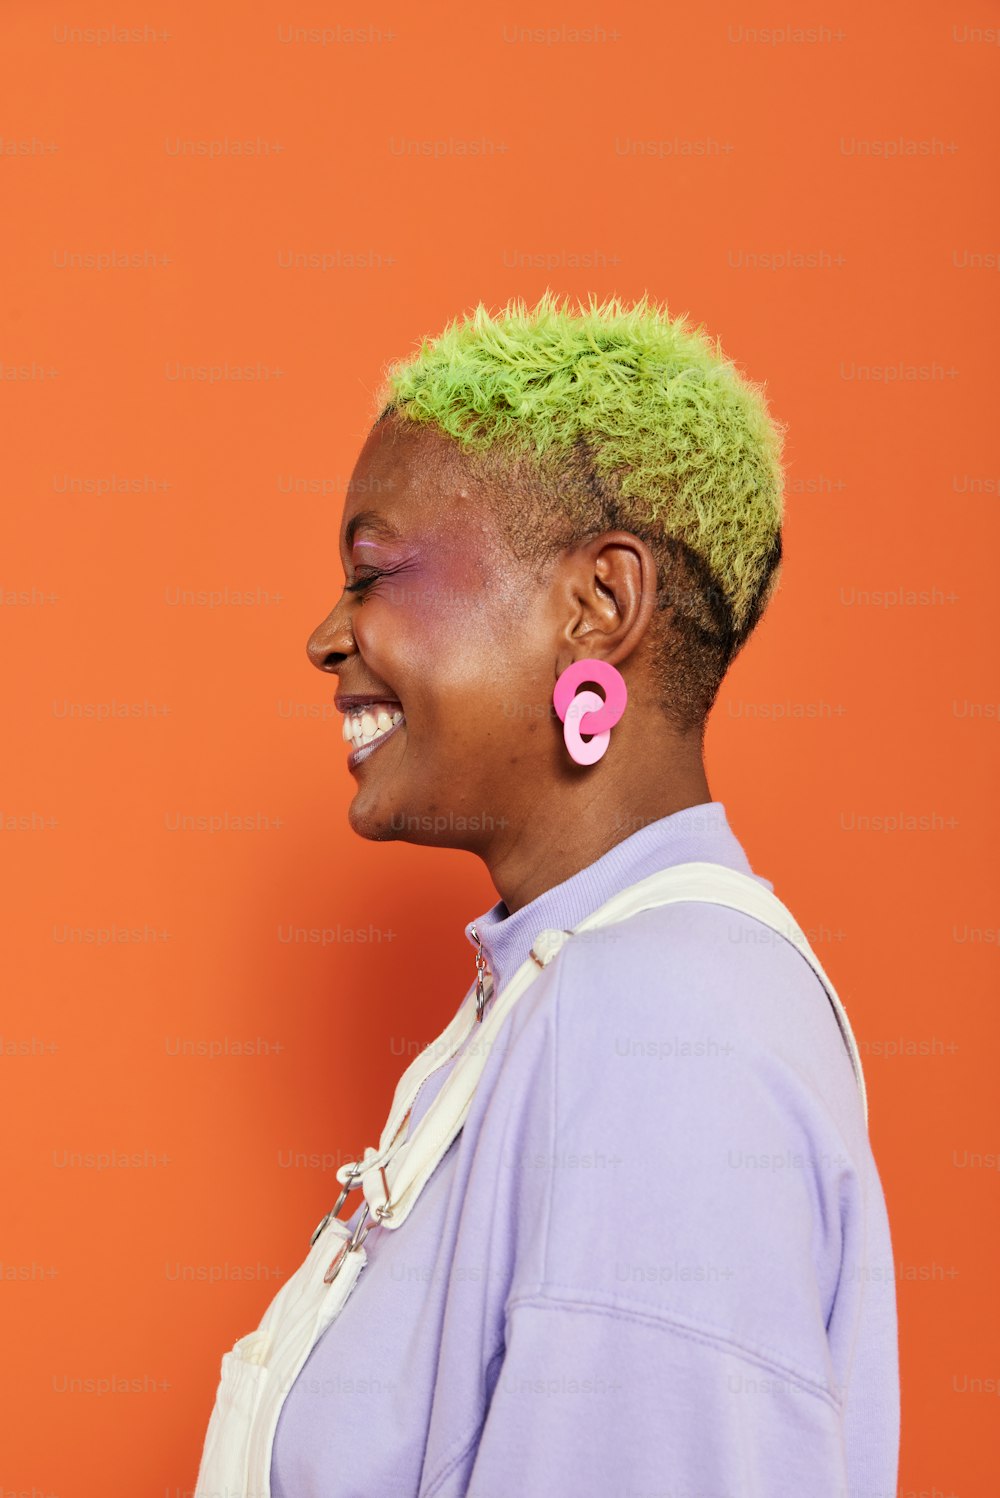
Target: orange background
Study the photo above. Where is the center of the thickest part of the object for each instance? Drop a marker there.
(439, 160)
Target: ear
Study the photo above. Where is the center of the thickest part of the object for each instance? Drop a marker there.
(611, 596)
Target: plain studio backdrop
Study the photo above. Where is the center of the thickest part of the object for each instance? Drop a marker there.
(221, 222)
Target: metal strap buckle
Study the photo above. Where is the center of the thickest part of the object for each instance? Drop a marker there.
(349, 1185)
(358, 1237)
(348, 1246)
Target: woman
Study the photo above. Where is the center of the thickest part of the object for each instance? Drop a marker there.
(623, 1232)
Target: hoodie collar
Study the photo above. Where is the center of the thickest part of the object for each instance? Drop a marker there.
(697, 833)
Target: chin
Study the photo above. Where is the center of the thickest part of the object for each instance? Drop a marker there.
(373, 823)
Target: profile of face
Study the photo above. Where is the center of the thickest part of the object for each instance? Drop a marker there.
(459, 644)
(438, 624)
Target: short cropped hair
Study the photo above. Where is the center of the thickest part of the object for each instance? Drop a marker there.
(616, 416)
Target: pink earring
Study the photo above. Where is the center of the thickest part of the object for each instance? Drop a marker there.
(586, 712)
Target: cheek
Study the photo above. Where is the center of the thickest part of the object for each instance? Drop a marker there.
(430, 636)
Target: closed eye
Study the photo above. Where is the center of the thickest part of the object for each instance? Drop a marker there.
(363, 582)
(373, 575)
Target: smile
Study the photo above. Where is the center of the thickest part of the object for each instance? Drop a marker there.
(368, 727)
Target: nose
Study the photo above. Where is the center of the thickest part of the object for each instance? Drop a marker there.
(332, 641)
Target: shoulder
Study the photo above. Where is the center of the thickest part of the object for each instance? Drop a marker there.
(701, 983)
(689, 1082)
(682, 1113)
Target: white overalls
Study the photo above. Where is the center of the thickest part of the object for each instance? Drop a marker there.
(258, 1372)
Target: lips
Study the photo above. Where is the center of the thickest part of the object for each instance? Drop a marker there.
(346, 700)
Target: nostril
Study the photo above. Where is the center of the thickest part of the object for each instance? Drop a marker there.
(320, 654)
(326, 660)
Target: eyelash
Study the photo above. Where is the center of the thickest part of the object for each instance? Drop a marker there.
(362, 582)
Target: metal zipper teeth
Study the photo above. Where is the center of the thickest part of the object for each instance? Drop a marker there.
(446, 1061)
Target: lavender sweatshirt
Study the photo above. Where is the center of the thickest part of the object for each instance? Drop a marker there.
(656, 1261)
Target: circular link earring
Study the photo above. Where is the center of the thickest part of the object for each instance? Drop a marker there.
(584, 711)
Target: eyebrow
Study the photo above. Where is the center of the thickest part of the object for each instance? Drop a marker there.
(370, 520)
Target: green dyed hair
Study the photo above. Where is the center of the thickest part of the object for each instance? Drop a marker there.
(617, 416)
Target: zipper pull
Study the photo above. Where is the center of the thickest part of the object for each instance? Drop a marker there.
(481, 968)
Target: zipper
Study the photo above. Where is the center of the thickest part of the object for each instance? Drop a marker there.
(481, 968)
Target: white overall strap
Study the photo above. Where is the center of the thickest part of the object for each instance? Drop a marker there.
(258, 1371)
(430, 1058)
(418, 1156)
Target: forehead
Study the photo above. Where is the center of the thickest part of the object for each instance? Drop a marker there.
(409, 479)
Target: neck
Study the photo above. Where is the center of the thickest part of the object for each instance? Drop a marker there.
(589, 811)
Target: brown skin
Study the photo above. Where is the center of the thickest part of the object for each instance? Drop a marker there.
(470, 642)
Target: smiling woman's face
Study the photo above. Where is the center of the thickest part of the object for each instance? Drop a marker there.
(441, 624)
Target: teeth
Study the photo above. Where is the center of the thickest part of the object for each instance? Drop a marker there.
(363, 725)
